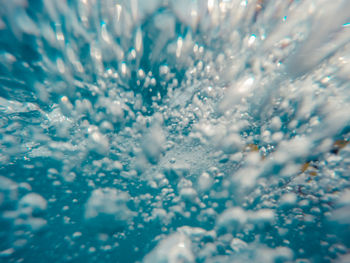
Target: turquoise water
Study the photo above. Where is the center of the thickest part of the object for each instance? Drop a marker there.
(174, 131)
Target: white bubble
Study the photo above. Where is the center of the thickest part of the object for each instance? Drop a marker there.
(107, 210)
(174, 248)
(34, 201)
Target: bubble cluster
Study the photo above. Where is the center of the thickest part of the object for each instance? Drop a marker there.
(174, 131)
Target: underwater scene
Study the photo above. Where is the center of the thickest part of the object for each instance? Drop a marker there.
(174, 131)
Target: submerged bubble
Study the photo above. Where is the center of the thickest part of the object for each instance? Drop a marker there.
(106, 210)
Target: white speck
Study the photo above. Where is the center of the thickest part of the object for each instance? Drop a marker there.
(251, 40)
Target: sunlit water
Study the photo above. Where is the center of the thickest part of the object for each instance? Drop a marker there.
(174, 131)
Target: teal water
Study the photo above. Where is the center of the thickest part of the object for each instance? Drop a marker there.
(174, 131)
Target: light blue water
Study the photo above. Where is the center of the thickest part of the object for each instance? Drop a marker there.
(174, 131)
